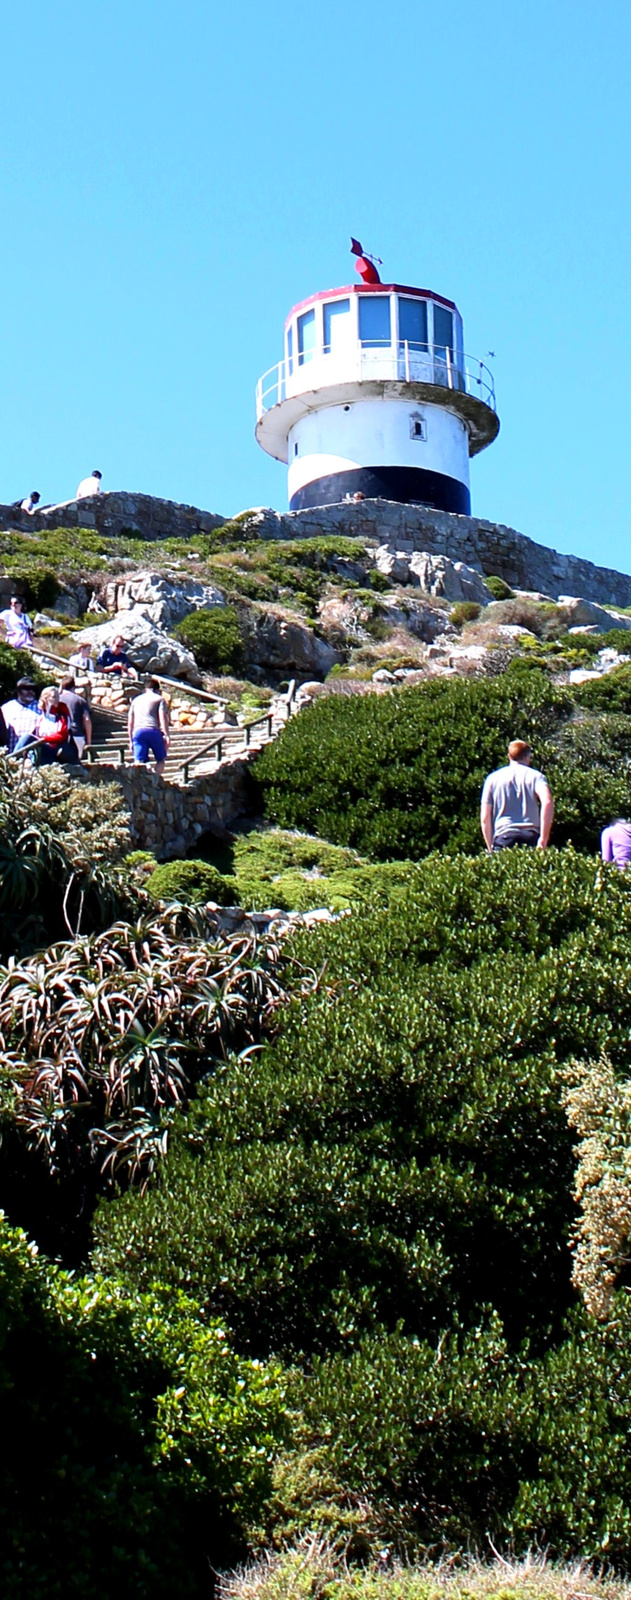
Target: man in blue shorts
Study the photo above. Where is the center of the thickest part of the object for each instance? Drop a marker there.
(148, 726)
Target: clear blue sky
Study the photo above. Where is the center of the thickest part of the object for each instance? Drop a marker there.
(176, 175)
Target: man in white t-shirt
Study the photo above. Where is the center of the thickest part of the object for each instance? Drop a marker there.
(517, 807)
(88, 486)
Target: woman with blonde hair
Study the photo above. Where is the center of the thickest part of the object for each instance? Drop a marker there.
(56, 744)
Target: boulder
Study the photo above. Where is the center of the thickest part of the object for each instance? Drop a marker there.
(394, 564)
(449, 580)
(164, 601)
(150, 648)
(587, 612)
(279, 642)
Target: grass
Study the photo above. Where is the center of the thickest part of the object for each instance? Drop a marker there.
(314, 1570)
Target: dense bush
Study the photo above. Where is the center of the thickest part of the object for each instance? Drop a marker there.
(404, 1153)
(401, 774)
(135, 1442)
(456, 1445)
(464, 611)
(16, 664)
(611, 693)
(214, 638)
(192, 882)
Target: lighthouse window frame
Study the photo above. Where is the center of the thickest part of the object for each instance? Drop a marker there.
(416, 337)
(374, 328)
(331, 310)
(306, 331)
(418, 426)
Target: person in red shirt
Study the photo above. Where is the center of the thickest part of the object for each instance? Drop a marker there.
(52, 729)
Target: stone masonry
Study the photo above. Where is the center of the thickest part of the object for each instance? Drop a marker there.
(117, 513)
(167, 818)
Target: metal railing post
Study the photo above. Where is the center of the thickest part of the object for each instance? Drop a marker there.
(407, 361)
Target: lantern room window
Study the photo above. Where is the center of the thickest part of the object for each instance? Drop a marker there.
(336, 323)
(306, 337)
(413, 323)
(443, 331)
(374, 320)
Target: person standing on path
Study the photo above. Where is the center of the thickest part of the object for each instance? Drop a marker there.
(615, 844)
(148, 726)
(517, 807)
(17, 626)
(80, 721)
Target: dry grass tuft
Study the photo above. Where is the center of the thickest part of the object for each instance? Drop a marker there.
(315, 1570)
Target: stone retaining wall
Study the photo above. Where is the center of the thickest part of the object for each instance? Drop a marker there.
(116, 513)
(489, 546)
(167, 818)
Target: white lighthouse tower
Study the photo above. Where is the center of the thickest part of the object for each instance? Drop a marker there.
(374, 395)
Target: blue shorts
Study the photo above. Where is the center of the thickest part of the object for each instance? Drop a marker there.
(147, 739)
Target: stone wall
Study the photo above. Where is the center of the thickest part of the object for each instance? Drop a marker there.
(115, 513)
(167, 818)
(489, 546)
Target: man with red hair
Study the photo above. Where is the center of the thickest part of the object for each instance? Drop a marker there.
(517, 807)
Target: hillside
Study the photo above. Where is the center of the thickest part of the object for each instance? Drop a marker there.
(315, 1119)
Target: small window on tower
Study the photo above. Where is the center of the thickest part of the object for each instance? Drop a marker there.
(418, 426)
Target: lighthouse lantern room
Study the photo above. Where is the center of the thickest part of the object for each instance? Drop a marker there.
(375, 396)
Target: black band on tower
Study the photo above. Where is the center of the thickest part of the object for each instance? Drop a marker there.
(410, 485)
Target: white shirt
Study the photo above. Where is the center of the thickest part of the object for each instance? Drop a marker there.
(18, 628)
(88, 486)
(29, 504)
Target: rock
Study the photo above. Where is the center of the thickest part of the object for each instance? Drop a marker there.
(40, 622)
(66, 605)
(383, 676)
(150, 648)
(586, 611)
(160, 599)
(534, 594)
(512, 630)
(394, 564)
(449, 580)
(587, 627)
(277, 641)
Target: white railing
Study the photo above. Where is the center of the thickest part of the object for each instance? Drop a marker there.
(403, 361)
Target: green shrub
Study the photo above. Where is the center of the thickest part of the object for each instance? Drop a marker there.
(136, 1442)
(402, 1155)
(610, 693)
(499, 589)
(401, 774)
(38, 585)
(214, 638)
(464, 611)
(191, 882)
(16, 664)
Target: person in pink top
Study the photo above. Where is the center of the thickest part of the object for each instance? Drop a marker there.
(615, 844)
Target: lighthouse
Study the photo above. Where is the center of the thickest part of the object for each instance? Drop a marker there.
(375, 397)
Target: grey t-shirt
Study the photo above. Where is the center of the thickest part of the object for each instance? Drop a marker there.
(515, 792)
(145, 710)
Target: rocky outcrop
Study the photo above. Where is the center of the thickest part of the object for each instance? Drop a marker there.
(165, 601)
(277, 642)
(583, 613)
(490, 547)
(150, 648)
(346, 619)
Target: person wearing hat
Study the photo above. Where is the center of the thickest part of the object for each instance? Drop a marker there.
(21, 715)
(91, 485)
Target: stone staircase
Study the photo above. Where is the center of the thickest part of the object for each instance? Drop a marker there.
(189, 753)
